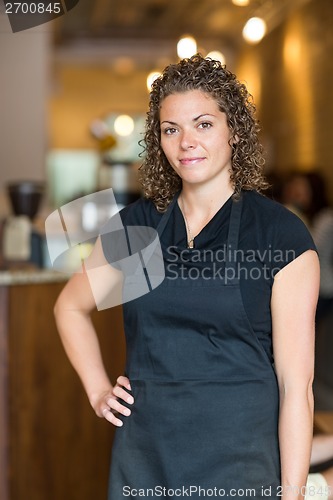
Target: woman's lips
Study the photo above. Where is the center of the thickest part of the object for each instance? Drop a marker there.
(191, 161)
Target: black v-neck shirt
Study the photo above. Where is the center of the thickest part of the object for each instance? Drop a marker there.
(270, 237)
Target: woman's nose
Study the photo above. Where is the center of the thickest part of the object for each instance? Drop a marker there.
(188, 140)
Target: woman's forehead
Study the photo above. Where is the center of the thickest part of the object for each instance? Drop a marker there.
(188, 100)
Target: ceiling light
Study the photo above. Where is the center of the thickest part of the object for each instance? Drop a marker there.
(186, 47)
(151, 78)
(241, 3)
(123, 125)
(254, 30)
(216, 55)
(123, 66)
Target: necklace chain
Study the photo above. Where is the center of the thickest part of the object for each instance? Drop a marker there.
(190, 239)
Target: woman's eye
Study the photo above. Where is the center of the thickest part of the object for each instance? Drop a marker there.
(169, 131)
(204, 125)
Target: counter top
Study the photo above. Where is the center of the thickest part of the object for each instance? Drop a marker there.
(29, 276)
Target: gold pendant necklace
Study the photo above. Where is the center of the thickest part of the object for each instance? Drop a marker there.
(190, 239)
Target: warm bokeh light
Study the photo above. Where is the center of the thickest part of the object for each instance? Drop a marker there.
(217, 56)
(241, 3)
(292, 49)
(123, 66)
(123, 125)
(254, 30)
(298, 75)
(249, 71)
(151, 78)
(186, 47)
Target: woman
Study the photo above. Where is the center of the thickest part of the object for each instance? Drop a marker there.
(204, 408)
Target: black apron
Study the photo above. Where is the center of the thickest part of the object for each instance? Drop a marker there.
(205, 417)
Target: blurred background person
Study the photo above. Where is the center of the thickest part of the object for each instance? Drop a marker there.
(305, 194)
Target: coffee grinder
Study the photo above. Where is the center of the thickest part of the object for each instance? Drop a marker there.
(21, 242)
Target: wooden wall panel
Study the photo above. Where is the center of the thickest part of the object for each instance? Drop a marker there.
(4, 458)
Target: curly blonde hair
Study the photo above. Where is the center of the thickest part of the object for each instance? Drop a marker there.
(159, 180)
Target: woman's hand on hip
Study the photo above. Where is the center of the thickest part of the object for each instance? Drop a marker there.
(109, 403)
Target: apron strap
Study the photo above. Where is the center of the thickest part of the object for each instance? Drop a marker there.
(233, 236)
(166, 216)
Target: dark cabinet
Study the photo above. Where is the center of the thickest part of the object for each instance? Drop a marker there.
(52, 444)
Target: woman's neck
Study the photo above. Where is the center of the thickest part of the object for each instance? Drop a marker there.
(199, 205)
(204, 200)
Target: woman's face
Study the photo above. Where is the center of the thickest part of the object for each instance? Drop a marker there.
(195, 137)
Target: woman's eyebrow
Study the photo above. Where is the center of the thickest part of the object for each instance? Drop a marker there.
(194, 119)
(168, 121)
(201, 116)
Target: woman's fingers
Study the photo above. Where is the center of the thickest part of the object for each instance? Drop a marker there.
(117, 407)
(111, 409)
(111, 404)
(120, 393)
(124, 381)
(110, 416)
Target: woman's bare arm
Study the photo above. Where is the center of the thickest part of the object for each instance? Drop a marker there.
(72, 312)
(294, 299)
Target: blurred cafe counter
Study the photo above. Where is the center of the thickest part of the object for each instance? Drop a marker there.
(52, 445)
